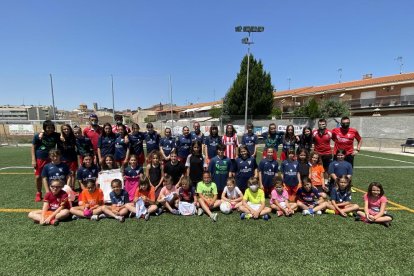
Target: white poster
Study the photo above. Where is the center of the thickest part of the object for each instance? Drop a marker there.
(298, 129)
(239, 129)
(104, 180)
(21, 130)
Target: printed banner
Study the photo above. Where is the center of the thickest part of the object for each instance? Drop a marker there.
(104, 180)
(21, 130)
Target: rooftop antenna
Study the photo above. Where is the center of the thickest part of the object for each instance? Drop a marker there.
(289, 79)
(400, 60)
(340, 74)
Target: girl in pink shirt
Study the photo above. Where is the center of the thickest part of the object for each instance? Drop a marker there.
(168, 195)
(374, 208)
(279, 199)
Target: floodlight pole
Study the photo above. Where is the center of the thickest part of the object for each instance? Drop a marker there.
(113, 99)
(171, 107)
(247, 40)
(53, 97)
(247, 82)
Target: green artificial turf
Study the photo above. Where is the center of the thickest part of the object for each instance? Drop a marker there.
(168, 244)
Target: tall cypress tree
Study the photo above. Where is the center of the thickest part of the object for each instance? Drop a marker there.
(260, 91)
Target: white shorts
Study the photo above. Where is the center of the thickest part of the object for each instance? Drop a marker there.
(254, 206)
(283, 204)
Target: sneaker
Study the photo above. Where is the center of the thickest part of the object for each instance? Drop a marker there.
(351, 214)
(266, 217)
(248, 216)
(75, 217)
(319, 212)
(38, 197)
(214, 217)
(242, 216)
(102, 216)
(310, 211)
(54, 222)
(147, 216)
(159, 211)
(95, 217)
(387, 224)
(279, 213)
(200, 211)
(305, 212)
(120, 218)
(175, 212)
(353, 190)
(329, 211)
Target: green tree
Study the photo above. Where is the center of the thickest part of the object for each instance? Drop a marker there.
(310, 110)
(331, 108)
(260, 91)
(215, 112)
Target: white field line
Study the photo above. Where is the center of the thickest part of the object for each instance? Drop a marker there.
(389, 159)
(16, 167)
(384, 167)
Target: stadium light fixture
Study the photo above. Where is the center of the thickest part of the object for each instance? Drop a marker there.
(248, 41)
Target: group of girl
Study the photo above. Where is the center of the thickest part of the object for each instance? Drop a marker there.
(302, 182)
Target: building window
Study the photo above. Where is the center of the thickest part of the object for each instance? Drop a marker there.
(367, 99)
(407, 95)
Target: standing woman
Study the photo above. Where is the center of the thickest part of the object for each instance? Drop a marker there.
(195, 163)
(106, 143)
(152, 139)
(67, 147)
(230, 141)
(167, 144)
(183, 145)
(289, 141)
(211, 142)
(121, 146)
(136, 144)
(305, 140)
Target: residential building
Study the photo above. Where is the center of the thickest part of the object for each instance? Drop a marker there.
(370, 96)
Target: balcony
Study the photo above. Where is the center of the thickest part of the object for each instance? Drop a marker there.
(387, 101)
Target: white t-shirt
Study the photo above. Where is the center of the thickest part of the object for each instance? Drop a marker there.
(233, 194)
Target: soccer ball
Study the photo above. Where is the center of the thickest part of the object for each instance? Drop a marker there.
(225, 207)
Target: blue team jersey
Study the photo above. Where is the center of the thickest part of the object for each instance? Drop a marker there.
(219, 169)
(167, 144)
(183, 146)
(289, 170)
(195, 137)
(340, 168)
(136, 143)
(250, 141)
(273, 140)
(84, 174)
(340, 196)
(288, 144)
(44, 145)
(58, 171)
(107, 145)
(152, 140)
(121, 199)
(131, 172)
(268, 169)
(83, 146)
(244, 169)
(121, 148)
(211, 144)
(308, 197)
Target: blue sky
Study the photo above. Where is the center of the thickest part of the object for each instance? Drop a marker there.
(141, 43)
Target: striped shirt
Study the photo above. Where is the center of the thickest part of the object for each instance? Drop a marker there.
(231, 143)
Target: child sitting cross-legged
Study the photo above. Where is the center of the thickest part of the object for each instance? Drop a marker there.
(90, 204)
(253, 204)
(119, 197)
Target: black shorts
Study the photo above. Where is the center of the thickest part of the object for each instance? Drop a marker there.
(326, 160)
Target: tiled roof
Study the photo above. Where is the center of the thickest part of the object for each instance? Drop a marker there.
(346, 85)
(184, 107)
